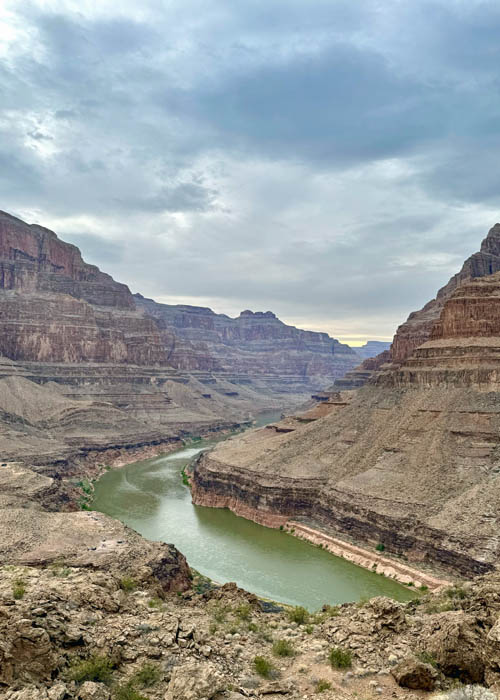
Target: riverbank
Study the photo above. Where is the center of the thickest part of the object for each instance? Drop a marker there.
(391, 568)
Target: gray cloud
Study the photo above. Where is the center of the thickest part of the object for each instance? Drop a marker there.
(333, 162)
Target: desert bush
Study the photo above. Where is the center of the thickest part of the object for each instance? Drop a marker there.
(128, 584)
(427, 658)
(126, 691)
(96, 668)
(282, 647)
(380, 547)
(322, 685)
(299, 615)
(263, 666)
(340, 658)
(18, 588)
(147, 676)
(243, 611)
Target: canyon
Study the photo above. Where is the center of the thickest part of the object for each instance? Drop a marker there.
(107, 369)
(93, 377)
(409, 461)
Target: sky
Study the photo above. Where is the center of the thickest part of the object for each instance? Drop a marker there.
(333, 161)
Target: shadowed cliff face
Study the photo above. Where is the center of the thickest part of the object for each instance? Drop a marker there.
(412, 460)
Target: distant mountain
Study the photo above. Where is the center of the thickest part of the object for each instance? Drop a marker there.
(372, 348)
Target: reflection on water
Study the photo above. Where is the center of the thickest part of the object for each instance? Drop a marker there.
(150, 497)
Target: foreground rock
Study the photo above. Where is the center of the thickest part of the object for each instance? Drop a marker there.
(71, 632)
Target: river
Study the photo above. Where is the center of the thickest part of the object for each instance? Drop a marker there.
(150, 497)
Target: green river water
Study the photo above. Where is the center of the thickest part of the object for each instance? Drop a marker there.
(150, 497)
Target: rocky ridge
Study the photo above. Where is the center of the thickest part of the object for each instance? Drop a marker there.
(253, 346)
(71, 632)
(418, 328)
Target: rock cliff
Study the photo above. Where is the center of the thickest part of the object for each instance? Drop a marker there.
(409, 461)
(417, 329)
(254, 347)
(132, 371)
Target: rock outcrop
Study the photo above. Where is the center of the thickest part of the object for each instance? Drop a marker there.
(410, 462)
(79, 633)
(417, 329)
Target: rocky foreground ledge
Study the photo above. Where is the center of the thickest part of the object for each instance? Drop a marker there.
(73, 632)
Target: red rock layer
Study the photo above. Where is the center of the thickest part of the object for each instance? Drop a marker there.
(54, 307)
(417, 329)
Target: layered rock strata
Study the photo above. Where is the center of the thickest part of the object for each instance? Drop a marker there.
(417, 329)
(252, 347)
(410, 462)
(141, 372)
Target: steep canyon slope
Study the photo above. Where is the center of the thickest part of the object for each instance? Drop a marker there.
(411, 460)
(107, 368)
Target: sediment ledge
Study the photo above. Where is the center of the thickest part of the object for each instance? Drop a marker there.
(366, 559)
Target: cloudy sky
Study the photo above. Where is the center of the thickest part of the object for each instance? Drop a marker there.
(333, 161)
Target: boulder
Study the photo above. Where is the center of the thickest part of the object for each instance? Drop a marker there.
(195, 681)
(415, 674)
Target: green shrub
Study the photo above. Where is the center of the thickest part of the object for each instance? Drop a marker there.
(263, 666)
(244, 611)
(18, 588)
(427, 658)
(86, 486)
(299, 615)
(282, 647)
(340, 658)
(127, 583)
(127, 692)
(96, 668)
(380, 547)
(220, 613)
(147, 676)
(322, 685)
(155, 603)
(456, 592)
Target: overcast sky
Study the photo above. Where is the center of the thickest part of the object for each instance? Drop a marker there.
(331, 161)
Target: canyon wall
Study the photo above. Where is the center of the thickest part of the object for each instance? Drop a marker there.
(255, 346)
(132, 371)
(418, 327)
(410, 460)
